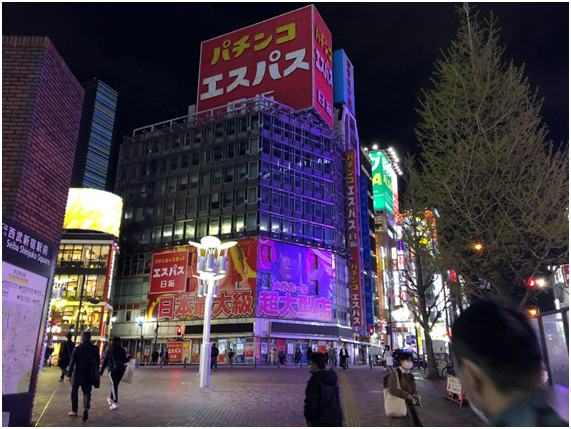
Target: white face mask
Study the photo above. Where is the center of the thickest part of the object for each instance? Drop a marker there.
(407, 365)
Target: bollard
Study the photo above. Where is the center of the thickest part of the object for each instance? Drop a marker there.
(255, 362)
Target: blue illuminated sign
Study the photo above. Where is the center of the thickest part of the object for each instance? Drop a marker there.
(343, 80)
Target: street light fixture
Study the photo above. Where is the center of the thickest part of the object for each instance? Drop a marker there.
(211, 267)
(478, 246)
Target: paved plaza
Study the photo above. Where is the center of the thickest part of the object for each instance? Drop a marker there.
(239, 396)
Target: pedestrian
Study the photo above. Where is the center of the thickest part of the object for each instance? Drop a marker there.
(115, 359)
(297, 356)
(47, 355)
(166, 360)
(344, 357)
(273, 354)
(388, 356)
(79, 373)
(65, 351)
(322, 401)
(403, 377)
(231, 358)
(154, 357)
(332, 358)
(281, 356)
(214, 357)
(498, 360)
(309, 353)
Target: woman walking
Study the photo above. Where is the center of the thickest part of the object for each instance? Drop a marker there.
(388, 355)
(116, 359)
(402, 385)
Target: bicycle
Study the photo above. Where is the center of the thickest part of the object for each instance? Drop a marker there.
(448, 369)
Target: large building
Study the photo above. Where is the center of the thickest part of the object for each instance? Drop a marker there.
(91, 165)
(41, 111)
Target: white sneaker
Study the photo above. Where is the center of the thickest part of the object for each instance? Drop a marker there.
(110, 401)
(114, 407)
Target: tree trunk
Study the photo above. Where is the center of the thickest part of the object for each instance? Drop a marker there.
(432, 369)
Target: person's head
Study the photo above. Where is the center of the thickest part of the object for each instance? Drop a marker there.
(406, 360)
(85, 336)
(317, 362)
(496, 354)
(68, 335)
(116, 342)
(288, 264)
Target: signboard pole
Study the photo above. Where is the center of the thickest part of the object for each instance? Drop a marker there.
(205, 356)
(79, 310)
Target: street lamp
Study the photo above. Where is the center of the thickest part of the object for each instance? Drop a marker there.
(211, 267)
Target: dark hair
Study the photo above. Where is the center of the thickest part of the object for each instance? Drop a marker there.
(116, 342)
(405, 356)
(318, 359)
(86, 336)
(498, 338)
(68, 335)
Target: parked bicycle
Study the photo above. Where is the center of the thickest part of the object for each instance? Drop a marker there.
(449, 368)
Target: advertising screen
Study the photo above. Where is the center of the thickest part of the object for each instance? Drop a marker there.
(175, 351)
(343, 80)
(382, 183)
(168, 272)
(92, 209)
(294, 282)
(236, 292)
(287, 58)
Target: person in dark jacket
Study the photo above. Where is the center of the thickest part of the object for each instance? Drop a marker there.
(166, 358)
(231, 358)
(281, 356)
(65, 351)
(79, 373)
(344, 357)
(322, 402)
(309, 353)
(214, 357)
(115, 359)
(154, 358)
(297, 357)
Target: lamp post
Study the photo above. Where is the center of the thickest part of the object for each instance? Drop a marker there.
(211, 268)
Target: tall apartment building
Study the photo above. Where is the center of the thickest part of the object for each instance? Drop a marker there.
(90, 168)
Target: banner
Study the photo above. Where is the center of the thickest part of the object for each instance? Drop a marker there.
(168, 272)
(175, 351)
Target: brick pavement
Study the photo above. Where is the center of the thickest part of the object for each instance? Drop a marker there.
(240, 396)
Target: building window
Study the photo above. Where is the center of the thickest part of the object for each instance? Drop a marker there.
(265, 281)
(159, 210)
(297, 205)
(161, 186)
(239, 223)
(313, 262)
(202, 227)
(228, 174)
(265, 173)
(219, 130)
(308, 230)
(157, 231)
(226, 225)
(203, 203)
(276, 224)
(276, 200)
(253, 170)
(197, 135)
(286, 203)
(206, 156)
(265, 195)
(214, 226)
(169, 209)
(307, 208)
(179, 231)
(242, 124)
(174, 162)
(167, 233)
(218, 153)
(215, 201)
(241, 172)
(228, 199)
(242, 148)
(255, 121)
(163, 165)
(182, 183)
(205, 179)
(251, 221)
(230, 150)
(128, 315)
(231, 127)
(189, 229)
(254, 145)
(146, 236)
(171, 187)
(240, 196)
(313, 287)
(184, 160)
(217, 177)
(266, 254)
(252, 195)
(181, 207)
(195, 158)
(264, 221)
(193, 181)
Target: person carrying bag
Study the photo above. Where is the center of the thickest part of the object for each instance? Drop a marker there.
(398, 395)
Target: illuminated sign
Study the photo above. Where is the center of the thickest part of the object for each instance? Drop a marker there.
(353, 236)
(287, 58)
(92, 209)
(343, 80)
(382, 182)
(168, 272)
(294, 282)
(364, 210)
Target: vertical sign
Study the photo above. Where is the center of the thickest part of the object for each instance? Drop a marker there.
(353, 236)
(343, 80)
(323, 69)
(369, 314)
(364, 210)
(382, 184)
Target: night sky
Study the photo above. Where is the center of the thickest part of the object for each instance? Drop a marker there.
(149, 53)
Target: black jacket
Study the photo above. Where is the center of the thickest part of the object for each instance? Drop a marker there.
(80, 364)
(115, 358)
(65, 351)
(322, 401)
(214, 352)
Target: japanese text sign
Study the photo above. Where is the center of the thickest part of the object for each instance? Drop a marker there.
(287, 58)
(364, 210)
(343, 80)
(353, 238)
(294, 282)
(168, 272)
(382, 183)
(175, 351)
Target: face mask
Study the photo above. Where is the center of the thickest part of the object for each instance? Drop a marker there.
(407, 365)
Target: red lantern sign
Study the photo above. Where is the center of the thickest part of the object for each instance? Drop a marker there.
(91, 318)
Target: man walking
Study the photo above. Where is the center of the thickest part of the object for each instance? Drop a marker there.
(322, 402)
(231, 358)
(65, 351)
(214, 357)
(154, 358)
(344, 357)
(79, 374)
(332, 358)
(297, 357)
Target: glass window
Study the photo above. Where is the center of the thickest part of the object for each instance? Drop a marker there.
(203, 203)
(297, 181)
(240, 172)
(251, 220)
(242, 124)
(217, 176)
(239, 222)
(265, 195)
(328, 212)
(254, 145)
(182, 183)
(142, 169)
(242, 148)
(128, 213)
(176, 141)
(266, 169)
(159, 210)
(197, 135)
(218, 151)
(153, 165)
(276, 177)
(286, 225)
(181, 207)
(148, 212)
(230, 151)
(240, 196)
(307, 208)
(138, 214)
(286, 203)
(202, 227)
(226, 225)
(208, 133)
(318, 210)
(231, 127)
(264, 221)
(171, 187)
(189, 229)
(228, 174)
(186, 139)
(195, 158)
(155, 147)
(266, 146)
(205, 179)
(214, 228)
(276, 224)
(255, 121)
(318, 232)
(276, 200)
(277, 152)
(327, 166)
(184, 160)
(146, 236)
(227, 199)
(191, 206)
(206, 156)
(313, 287)
(287, 178)
(169, 208)
(297, 205)
(317, 188)
(219, 130)
(178, 231)
(252, 195)
(157, 231)
(193, 181)
(307, 230)
(215, 201)
(253, 170)
(167, 143)
(163, 165)
(307, 185)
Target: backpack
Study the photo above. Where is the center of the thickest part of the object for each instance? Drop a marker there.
(386, 379)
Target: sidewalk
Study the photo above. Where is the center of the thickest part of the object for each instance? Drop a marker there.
(240, 396)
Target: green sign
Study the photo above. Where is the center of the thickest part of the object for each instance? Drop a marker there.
(382, 182)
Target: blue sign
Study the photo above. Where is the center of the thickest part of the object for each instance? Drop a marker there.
(343, 80)
(364, 210)
(369, 313)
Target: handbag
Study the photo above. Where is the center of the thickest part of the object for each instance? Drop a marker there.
(129, 370)
(95, 377)
(394, 406)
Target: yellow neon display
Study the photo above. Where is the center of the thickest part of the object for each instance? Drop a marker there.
(92, 209)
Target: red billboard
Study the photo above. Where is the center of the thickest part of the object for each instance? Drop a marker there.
(287, 58)
(236, 292)
(353, 235)
(175, 351)
(168, 272)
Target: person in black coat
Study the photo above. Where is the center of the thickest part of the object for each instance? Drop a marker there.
(214, 357)
(115, 359)
(344, 357)
(79, 373)
(322, 401)
(65, 351)
(154, 358)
